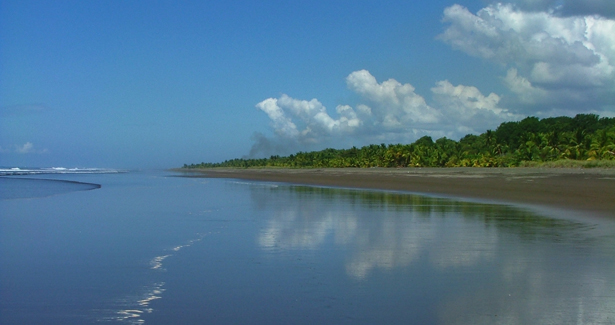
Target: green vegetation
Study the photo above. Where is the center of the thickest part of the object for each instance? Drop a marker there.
(583, 141)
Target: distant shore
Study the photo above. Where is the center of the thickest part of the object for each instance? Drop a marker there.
(591, 190)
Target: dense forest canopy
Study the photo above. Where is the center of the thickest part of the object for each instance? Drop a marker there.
(583, 137)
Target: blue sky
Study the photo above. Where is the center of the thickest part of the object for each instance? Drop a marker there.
(156, 84)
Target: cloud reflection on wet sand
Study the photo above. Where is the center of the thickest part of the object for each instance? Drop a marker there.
(530, 267)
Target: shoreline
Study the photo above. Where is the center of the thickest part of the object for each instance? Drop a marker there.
(589, 190)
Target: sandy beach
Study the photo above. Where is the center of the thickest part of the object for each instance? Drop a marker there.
(591, 190)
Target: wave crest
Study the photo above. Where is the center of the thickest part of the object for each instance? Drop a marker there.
(57, 170)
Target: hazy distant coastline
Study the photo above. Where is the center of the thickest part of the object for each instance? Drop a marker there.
(588, 190)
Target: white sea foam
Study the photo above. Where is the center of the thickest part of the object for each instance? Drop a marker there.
(145, 302)
(57, 170)
(156, 262)
(189, 243)
(259, 184)
(137, 306)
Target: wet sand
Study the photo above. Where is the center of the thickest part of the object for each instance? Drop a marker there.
(591, 190)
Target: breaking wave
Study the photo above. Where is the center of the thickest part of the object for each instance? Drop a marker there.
(133, 308)
(57, 170)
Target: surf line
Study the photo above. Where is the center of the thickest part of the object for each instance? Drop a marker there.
(133, 315)
(141, 305)
(156, 262)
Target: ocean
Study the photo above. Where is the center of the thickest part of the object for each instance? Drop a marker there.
(91, 246)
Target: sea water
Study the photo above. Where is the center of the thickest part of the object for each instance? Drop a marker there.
(154, 248)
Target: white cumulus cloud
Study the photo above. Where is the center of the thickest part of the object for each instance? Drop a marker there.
(554, 57)
(557, 61)
(26, 148)
(395, 105)
(390, 111)
(604, 8)
(467, 108)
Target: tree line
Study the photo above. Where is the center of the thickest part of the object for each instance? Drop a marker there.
(531, 140)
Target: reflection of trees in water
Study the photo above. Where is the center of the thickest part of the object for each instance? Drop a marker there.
(522, 222)
(385, 230)
(532, 268)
